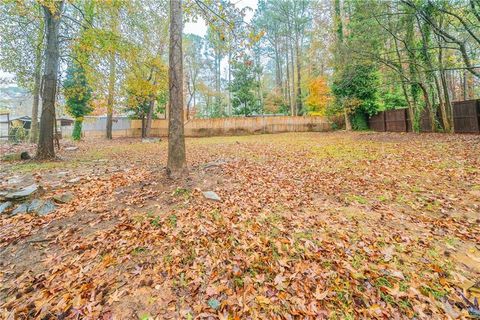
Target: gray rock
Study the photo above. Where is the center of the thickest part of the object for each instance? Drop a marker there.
(35, 205)
(22, 208)
(151, 140)
(71, 148)
(41, 207)
(64, 197)
(74, 180)
(47, 207)
(23, 193)
(210, 195)
(4, 206)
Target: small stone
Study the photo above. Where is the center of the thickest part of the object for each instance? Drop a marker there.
(22, 208)
(210, 195)
(47, 207)
(71, 148)
(41, 207)
(151, 140)
(23, 193)
(4, 206)
(214, 304)
(74, 180)
(35, 205)
(64, 197)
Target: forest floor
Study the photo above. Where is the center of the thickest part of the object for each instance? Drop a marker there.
(309, 226)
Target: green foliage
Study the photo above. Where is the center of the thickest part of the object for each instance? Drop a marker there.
(355, 89)
(77, 91)
(78, 94)
(77, 129)
(18, 134)
(359, 120)
(243, 88)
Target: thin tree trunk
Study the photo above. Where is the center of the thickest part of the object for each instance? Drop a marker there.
(294, 101)
(287, 82)
(148, 127)
(36, 97)
(176, 164)
(111, 95)
(348, 122)
(229, 81)
(299, 79)
(46, 148)
(144, 125)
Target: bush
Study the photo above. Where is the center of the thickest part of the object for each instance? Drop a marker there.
(77, 129)
(18, 134)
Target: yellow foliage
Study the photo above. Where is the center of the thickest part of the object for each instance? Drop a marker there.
(319, 96)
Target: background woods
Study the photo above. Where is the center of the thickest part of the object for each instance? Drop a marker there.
(319, 57)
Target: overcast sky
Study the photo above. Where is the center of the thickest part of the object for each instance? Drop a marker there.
(200, 27)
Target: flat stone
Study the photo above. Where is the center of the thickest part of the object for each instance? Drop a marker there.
(210, 195)
(47, 207)
(4, 206)
(71, 148)
(41, 207)
(23, 193)
(74, 180)
(22, 208)
(151, 140)
(64, 197)
(35, 205)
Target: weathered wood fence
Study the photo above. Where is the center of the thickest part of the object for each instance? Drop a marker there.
(125, 127)
(466, 119)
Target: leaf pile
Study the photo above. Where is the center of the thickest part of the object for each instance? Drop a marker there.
(327, 225)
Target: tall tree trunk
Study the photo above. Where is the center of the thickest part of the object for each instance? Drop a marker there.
(287, 82)
(294, 100)
(229, 113)
(111, 94)
(36, 96)
(46, 148)
(299, 78)
(176, 164)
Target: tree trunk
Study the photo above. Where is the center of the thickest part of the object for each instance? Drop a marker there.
(176, 165)
(287, 82)
(299, 79)
(46, 149)
(36, 96)
(148, 127)
(144, 126)
(111, 94)
(229, 81)
(348, 123)
(294, 100)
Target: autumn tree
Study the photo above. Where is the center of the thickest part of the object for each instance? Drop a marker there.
(52, 15)
(318, 97)
(22, 32)
(78, 94)
(176, 164)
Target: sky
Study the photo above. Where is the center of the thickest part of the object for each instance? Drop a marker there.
(200, 28)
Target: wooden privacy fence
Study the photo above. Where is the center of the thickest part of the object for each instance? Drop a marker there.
(466, 116)
(466, 119)
(124, 127)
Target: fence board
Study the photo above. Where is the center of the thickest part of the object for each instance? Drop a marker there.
(466, 116)
(377, 122)
(124, 127)
(396, 120)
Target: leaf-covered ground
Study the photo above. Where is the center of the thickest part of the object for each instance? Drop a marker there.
(310, 226)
